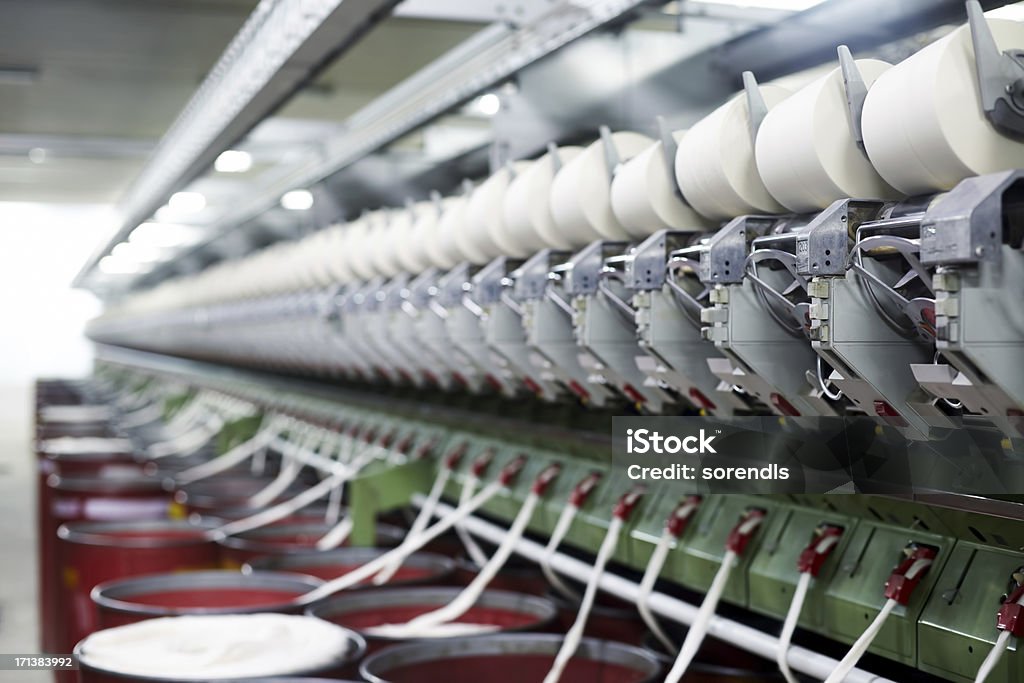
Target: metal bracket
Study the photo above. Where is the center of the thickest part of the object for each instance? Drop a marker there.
(669, 149)
(467, 187)
(611, 154)
(438, 201)
(510, 166)
(756, 106)
(856, 92)
(556, 158)
(722, 261)
(1000, 76)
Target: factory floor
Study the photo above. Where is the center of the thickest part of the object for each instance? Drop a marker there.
(18, 623)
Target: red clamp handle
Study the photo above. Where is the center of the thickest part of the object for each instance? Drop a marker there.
(385, 439)
(743, 532)
(906, 577)
(681, 516)
(624, 508)
(455, 455)
(812, 559)
(583, 489)
(511, 471)
(425, 449)
(544, 479)
(481, 464)
(1011, 614)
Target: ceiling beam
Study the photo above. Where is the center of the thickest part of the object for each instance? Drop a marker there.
(281, 46)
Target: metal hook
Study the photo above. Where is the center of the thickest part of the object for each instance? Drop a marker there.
(669, 149)
(856, 92)
(757, 108)
(611, 154)
(556, 158)
(1000, 76)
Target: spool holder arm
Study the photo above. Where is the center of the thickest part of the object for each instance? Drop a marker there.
(1000, 76)
(856, 91)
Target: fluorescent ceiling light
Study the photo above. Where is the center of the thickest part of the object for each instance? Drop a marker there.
(233, 161)
(139, 253)
(488, 104)
(187, 202)
(791, 5)
(114, 265)
(297, 200)
(165, 235)
(1014, 12)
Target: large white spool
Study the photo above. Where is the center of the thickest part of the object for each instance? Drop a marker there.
(382, 243)
(806, 152)
(357, 245)
(485, 216)
(581, 193)
(410, 257)
(529, 224)
(924, 128)
(645, 198)
(715, 164)
(458, 226)
(430, 239)
(337, 257)
(446, 249)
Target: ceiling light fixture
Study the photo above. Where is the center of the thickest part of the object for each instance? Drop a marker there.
(165, 235)
(488, 104)
(187, 202)
(140, 253)
(114, 265)
(233, 161)
(297, 200)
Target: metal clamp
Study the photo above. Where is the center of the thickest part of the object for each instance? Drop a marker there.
(812, 559)
(908, 575)
(1000, 76)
